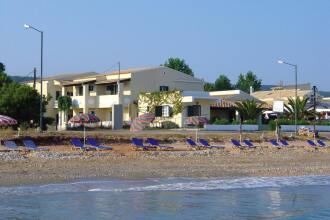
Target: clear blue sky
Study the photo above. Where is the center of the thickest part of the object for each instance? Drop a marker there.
(214, 37)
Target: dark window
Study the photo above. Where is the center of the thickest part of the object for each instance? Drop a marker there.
(158, 111)
(58, 94)
(90, 88)
(112, 89)
(69, 93)
(194, 110)
(163, 88)
(163, 111)
(81, 91)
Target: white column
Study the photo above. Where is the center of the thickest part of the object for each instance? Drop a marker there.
(62, 115)
(85, 95)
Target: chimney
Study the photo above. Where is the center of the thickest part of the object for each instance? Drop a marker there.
(251, 90)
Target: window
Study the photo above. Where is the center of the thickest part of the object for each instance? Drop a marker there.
(91, 88)
(163, 111)
(112, 88)
(194, 110)
(69, 93)
(58, 94)
(81, 91)
(166, 111)
(163, 88)
(158, 111)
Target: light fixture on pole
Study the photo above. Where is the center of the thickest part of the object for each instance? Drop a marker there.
(27, 26)
(296, 91)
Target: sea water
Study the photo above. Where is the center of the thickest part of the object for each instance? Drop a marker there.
(224, 198)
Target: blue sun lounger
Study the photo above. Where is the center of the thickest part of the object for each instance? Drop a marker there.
(30, 145)
(10, 145)
(77, 144)
(275, 143)
(192, 143)
(284, 143)
(311, 143)
(93, 144)
(321, 143)
(236, 143)
(154, 143)
(206, 144)
(138, 144)
(249, 143)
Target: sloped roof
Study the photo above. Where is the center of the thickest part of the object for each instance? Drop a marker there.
(281, 94)
(233, 95)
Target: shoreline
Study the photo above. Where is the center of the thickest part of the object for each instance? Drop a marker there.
(67, 166)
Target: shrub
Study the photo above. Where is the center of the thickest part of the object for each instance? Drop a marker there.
(221, 122)
(169, 125)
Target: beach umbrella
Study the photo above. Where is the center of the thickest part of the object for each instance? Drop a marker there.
(5, 121)
(82, 118)
(142, 121)
(197, 121)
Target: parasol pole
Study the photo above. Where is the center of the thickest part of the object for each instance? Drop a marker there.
(84, 135)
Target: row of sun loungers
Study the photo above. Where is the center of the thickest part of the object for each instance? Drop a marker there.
(152, 144)
(28, 145)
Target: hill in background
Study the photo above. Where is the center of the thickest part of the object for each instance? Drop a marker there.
(21, 78)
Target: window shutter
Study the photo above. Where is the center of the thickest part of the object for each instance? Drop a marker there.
(190, 111)
(158, 111)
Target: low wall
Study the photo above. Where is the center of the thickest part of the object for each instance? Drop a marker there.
(231, 127)
(310, 127)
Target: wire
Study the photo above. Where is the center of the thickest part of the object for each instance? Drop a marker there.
(111, 67)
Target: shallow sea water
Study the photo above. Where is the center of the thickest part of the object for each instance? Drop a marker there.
(226, 198)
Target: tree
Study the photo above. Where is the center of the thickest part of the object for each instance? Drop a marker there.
(249, 79)
(302, 111)
(4, 78)
(179, 65)
(222, 83)
(248, 110)
(208, 87)
(2, 67)
(64, 105)
(21, 102)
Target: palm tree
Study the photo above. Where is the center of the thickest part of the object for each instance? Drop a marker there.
(248, 110)
(64, 105)
(300, 105)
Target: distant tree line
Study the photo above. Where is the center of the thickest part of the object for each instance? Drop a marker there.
(244, 82)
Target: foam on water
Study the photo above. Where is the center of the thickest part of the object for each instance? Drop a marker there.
(225, 184)
(172, 184)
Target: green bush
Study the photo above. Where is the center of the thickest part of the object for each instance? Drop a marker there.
(221, 122)
(246, 122)
(169, 125)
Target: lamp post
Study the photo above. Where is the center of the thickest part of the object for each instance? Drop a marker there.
(296, 88)
(41, 64)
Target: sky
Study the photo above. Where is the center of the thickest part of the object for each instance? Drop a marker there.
(214, 37)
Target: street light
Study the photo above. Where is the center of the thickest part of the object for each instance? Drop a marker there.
(27, 26)
(296, 85)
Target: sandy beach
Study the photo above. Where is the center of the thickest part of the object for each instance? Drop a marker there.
(62, 164)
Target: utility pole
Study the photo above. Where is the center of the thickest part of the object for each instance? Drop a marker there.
(314, 109)
(118, 83)
(34, 77)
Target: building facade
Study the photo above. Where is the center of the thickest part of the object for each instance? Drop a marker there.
(98, 93)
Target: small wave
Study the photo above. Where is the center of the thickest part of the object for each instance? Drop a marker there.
(224, 184)
(170, 184)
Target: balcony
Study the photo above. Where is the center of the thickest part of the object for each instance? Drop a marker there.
(101, 101)
(106, 101)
